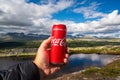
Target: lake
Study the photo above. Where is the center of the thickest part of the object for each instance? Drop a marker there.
(76, 62)
(80, 61)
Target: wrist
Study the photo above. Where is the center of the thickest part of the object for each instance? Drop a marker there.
(41, 72)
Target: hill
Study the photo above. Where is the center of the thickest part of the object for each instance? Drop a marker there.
(22, 37)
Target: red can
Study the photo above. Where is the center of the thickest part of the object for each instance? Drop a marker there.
(58, 44)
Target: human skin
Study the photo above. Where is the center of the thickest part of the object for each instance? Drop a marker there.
(42, 60)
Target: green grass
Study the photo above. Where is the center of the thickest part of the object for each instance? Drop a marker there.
(20, 44)
(18, 55)
(86, 46)
(72, 43)
(91, 43)
(109, 72)
(98, 50)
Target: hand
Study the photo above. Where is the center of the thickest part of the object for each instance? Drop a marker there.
(42, 60)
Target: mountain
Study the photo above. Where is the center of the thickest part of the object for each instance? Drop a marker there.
(22, 36)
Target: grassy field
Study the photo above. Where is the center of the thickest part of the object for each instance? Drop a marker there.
(18, 55)
(98, 46)
(87, 46)
(108, 49)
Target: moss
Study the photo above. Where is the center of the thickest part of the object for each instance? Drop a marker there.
(97, 50)
(26, 55)
(109, 72)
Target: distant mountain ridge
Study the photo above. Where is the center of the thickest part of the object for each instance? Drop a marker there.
(21, 36)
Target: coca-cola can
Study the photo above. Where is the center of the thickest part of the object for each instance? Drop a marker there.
(58, 44)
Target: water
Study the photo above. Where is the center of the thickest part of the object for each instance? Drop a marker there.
(80, 61)
(76, 62)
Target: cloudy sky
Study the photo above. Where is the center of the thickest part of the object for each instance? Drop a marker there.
(87, 17)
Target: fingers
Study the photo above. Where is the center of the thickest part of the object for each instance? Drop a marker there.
(66, 58)
(67, 55)
(55, 69)
(45, 43)
(65, 61)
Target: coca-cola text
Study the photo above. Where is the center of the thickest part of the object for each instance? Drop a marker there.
(58, 42)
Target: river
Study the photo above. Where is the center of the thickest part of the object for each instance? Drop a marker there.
(76, 62)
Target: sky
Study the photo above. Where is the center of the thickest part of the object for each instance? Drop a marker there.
(100, 18)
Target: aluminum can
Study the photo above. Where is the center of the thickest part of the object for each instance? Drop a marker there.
(58, 44)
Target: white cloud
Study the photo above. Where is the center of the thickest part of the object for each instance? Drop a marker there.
(92, 57)
(111, 19)
(90, 11)
(104, 27)
(83, 2)
(30, 15)
(19, 16)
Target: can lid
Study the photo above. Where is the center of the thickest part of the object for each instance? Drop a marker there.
(59, 27)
